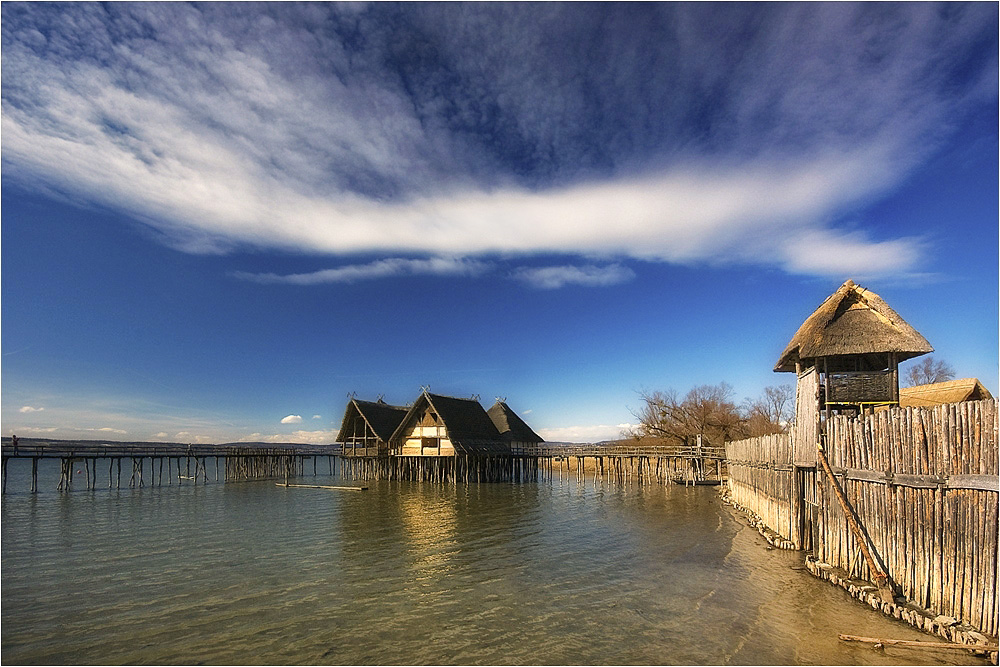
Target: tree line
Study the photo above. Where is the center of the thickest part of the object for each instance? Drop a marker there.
(712, 412)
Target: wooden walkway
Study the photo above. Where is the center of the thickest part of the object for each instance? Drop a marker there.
(156, 463)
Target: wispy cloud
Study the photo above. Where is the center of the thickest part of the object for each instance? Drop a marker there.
(661, 141)
(587, 433)
(196, 438)
(292, 419)
(27, 408)
(76, 416)
(383, 268)
(321, 437)
(554, 277)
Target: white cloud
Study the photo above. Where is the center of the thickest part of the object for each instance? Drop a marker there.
(28, 408)
(216, 140)
(849, 254)
(108, 429)
(35, 429)
(291, 419)
(554, 277)
(317, 417)
(161, 434)
(681, 215)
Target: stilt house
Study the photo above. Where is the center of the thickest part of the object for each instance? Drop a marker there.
(512, 428)
(846, 356)
(445, 426)
(368, 426)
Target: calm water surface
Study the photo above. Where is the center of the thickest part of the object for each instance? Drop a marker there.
(558, 572)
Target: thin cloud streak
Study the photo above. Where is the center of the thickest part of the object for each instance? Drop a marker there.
(321, 437)
(383, 268)
(554, 277)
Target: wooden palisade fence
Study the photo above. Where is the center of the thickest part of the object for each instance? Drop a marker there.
(761, 479)
(923, 483)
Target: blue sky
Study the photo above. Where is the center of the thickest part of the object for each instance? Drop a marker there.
(220, 219)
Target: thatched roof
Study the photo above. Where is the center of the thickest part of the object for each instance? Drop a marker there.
(380, 416)
(470, 429)
(510, 425)
(939, 393)
(852, 321)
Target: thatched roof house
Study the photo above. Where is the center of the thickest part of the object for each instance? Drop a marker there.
(853, 323)
(511, 427)
(940, 393)
(444, 426)
(367, 427)
(846, 356)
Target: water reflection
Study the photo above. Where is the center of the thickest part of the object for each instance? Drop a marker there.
(429, 520)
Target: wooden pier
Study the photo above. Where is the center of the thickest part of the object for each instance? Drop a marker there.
(163, 464)
(144, 464)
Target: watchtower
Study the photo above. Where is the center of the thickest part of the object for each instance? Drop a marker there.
(846, 356)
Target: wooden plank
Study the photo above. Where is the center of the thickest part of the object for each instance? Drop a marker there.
(865, 475)
(974, 482)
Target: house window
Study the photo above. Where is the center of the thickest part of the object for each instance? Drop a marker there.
(433, 443)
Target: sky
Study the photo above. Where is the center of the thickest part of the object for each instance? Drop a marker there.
(221, 220)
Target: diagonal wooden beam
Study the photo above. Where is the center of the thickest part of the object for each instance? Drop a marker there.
(885, 588)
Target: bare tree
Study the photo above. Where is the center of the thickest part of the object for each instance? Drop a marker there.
(706, 410)
(928, 371)
(771, 412)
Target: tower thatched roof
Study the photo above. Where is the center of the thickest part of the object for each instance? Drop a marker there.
(852, 321)
(510, 425)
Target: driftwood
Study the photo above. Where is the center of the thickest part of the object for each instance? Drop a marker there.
(917, 644)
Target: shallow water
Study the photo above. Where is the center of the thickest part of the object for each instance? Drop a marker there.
(557, 572)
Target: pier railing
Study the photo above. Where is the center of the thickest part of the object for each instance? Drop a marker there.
(156, 463)
(616, 449)
(45, 448)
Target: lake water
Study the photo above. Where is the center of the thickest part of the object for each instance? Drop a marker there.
(557, 572)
